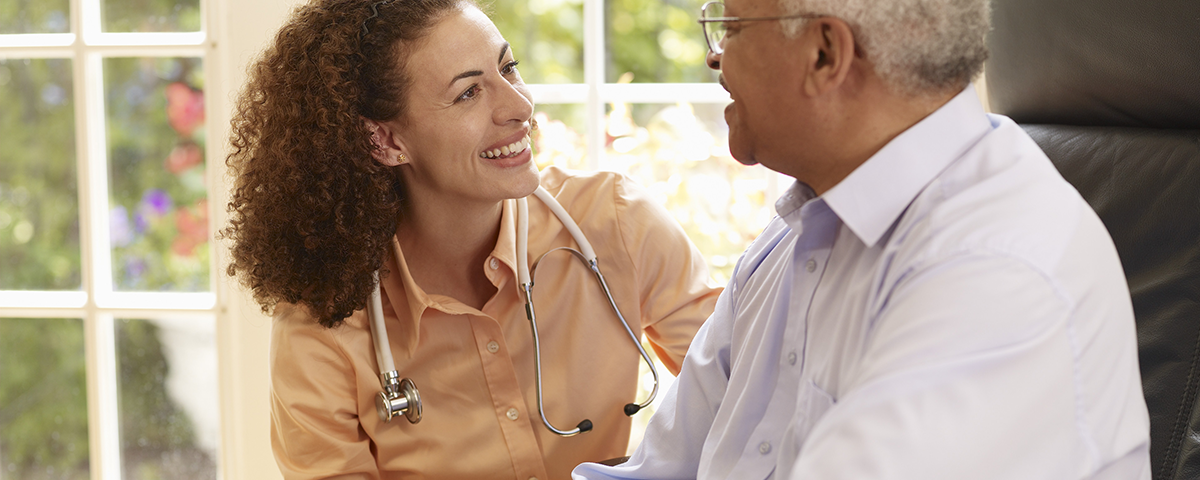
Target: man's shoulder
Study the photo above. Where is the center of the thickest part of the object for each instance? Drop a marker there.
(1002, 197)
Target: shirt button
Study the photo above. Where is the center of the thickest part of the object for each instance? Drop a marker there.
(810, 266)
(792, 358)
(513, 414)
(764, 448)
(493, 346)
(496, 263)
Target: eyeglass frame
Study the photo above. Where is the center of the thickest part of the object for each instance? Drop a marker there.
(717, 49)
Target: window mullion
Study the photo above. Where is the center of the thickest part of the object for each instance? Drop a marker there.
(100, 258)
(103, 419)
(103, 423)
(593, 74)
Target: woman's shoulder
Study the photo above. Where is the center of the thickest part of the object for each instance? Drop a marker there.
(297, 318)
(555, 179)
(586, 186)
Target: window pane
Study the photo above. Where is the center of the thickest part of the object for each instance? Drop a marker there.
(158, 218)
(655, 41)
(150, 15)
(43, 399)
(561, 137)
(546, 35)
(680, 152)
(167, 377)
(34, 16)
(39, 206)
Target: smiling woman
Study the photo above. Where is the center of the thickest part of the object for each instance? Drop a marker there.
(394, 137)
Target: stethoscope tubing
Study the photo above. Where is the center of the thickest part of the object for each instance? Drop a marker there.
(401, 396)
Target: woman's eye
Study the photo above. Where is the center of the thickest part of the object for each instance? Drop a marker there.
(471, 92)
(509, 68)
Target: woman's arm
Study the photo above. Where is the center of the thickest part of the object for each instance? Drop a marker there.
(315, 431)
(677, 294)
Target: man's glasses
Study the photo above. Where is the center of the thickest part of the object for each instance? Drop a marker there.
(712, 21)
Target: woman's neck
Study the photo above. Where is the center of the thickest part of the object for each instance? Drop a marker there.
(446, 243)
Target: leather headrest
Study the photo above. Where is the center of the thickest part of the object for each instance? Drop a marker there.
(1131, 63)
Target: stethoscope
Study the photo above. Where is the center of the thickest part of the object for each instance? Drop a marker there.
(400, 396)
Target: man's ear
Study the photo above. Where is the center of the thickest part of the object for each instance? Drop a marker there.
(387, 152)
(832, 55)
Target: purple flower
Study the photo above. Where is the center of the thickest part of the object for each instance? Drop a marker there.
(135, 267)
(119, 230)
(155, 202)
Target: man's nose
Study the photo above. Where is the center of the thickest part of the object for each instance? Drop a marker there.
(713, 60)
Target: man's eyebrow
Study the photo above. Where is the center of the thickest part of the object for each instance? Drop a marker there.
(476, 73)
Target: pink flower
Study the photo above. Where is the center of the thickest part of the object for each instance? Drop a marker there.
(185, 108)
(192, 224)
(183, 157)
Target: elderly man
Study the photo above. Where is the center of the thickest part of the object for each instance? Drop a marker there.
(933, 301)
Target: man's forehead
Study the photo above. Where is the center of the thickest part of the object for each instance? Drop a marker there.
(739, 7)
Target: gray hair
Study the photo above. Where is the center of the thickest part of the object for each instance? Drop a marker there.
(916, 46)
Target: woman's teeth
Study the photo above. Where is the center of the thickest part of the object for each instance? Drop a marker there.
(507, 150)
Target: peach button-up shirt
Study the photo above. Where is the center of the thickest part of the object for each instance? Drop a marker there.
(475, 368)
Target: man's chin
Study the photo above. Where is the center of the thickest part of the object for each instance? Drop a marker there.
(745, 159)
(736, 147)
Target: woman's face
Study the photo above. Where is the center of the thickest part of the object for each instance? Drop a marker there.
(466, 127)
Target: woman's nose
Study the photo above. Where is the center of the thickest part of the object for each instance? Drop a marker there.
(517, 104)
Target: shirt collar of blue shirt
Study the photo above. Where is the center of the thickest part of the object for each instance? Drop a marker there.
(873, 196)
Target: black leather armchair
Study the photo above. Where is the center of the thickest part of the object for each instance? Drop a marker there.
(1110, 89)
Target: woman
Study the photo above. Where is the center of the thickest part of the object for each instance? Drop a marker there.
(392, 136)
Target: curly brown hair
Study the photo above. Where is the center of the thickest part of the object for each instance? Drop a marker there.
(311, 213)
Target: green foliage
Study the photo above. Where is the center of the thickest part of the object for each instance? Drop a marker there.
(43, 399)
(34, 16)
(150, 15)
(546, 35)
(39, 207)
(43, 404)
(655, 40)
(658, 41)
(157, 440)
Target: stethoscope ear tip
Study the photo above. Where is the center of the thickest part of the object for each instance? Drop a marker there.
(631, 408)
(584, 426)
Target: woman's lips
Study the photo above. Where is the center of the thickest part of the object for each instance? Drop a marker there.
(507, 149)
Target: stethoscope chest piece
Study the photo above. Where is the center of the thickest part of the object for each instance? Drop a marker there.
(398, 397)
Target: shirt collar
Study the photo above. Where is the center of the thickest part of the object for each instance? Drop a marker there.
(873, 196)
(414, 300)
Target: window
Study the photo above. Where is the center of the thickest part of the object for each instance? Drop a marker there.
(107, 306)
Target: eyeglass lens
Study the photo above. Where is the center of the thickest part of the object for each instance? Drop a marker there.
(714, 31)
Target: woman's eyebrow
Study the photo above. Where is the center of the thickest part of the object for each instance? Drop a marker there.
(503, 50)
(476, 73)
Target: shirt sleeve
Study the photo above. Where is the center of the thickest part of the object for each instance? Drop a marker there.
(968, 372)
(315, 431)
(675, 437)
(676, 290)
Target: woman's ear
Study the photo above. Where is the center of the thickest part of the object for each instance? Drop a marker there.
(387, 152)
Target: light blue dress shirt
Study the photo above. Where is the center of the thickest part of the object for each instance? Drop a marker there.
(951, 310)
